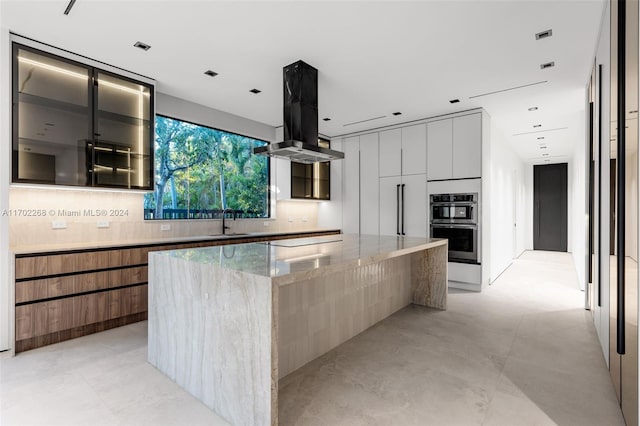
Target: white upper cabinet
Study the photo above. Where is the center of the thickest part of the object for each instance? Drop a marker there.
(467, 146)
(369, 196)
(454, 148)
(390, 153)
(403, 151)
(414, 150)
(440, 149)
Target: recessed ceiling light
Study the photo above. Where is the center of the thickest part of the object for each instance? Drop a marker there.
(326, 119)
(540, 137)
(547, 65)
(210, 73)
(537, 125)
(397, 113)
(545, 155)
(255, 91)
(543, 147)
(454, 101)
(69, 6)
(544, 34)
(547, 161)
(141, 45)
(533, 109)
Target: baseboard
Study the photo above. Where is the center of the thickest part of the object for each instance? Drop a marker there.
(465, 286)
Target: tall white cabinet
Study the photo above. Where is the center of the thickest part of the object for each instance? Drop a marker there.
(403, 181)
(360, 206)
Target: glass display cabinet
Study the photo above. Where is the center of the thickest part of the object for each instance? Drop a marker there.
(77, 125)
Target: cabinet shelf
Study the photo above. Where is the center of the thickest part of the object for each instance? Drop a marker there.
(122, 118)
(53, 103)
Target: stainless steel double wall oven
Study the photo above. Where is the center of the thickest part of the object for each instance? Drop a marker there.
(455, 217)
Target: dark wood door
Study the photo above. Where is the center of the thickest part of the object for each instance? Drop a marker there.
(550, 207)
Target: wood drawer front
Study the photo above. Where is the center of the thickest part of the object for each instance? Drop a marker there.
(38, 319)
(27, 291)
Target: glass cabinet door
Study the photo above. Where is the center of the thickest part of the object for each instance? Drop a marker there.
(123, 118)
(51, 119)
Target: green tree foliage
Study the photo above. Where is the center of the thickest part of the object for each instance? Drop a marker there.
(206, 169)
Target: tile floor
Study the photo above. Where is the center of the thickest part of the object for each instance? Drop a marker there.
(523, 352)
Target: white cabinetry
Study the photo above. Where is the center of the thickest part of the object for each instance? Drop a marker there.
(467, 146)
(414, 150)
(440, 149)
(403, 205)
(403, 181)
(369, 201)
(351, 185)
(360, 211)
(403, 151)
(390, 205)
(454, 148)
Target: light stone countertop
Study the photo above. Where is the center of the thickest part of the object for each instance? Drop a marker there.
(89, 245)
(302, 258)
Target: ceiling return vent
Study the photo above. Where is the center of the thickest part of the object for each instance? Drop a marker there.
(544, 34)
(300, 119)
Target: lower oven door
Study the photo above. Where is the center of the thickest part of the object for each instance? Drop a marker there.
(463, 241)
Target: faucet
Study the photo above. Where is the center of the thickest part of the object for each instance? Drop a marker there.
(224, 212)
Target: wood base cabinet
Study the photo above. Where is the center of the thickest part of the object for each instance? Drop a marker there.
(67, 294)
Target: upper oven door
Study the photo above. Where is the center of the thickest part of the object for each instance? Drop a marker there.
(453, 213)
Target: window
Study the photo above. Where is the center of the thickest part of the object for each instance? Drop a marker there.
(200, 172)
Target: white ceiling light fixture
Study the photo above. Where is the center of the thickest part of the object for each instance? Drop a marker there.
(141, 45)
(544, 34)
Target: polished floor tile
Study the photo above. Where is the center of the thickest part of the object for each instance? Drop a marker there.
(522, 352)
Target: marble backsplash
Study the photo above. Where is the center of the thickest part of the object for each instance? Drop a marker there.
(32, 212)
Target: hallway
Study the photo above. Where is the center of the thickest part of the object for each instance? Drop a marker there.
(522, 352)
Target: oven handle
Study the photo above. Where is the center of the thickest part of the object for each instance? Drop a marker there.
(439, 225)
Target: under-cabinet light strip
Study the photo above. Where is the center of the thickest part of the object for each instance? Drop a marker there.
(81, 76)
(52, 68)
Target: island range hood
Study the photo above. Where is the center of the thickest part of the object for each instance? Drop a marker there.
(300, 119)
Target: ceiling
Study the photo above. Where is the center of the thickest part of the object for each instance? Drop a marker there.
(373, 57)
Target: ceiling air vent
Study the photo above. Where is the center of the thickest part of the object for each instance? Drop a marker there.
(547, 65)
(544, 34)
(141, 45)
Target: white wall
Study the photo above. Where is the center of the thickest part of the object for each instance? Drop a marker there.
(6, 311)
(507, 177)
(578, 212)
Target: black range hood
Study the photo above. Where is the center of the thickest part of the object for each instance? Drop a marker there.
(300, 119)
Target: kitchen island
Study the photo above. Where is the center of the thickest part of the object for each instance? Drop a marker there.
(226, 323)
